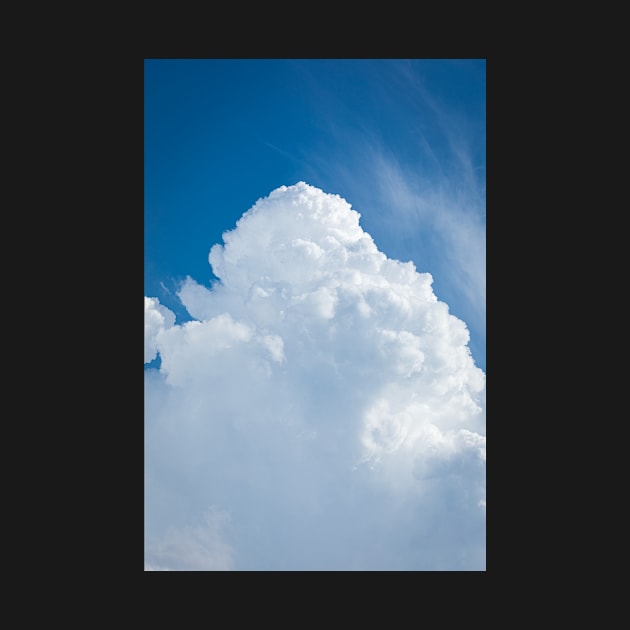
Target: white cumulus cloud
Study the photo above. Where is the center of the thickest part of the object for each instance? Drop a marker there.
(322, 396)
(157, 318)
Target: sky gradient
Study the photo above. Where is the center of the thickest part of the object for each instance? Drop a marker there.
(315, 314)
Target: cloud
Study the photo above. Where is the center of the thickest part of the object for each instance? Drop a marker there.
(322, 396)
(157, 318)
(198, 548)
(452, 217)
(425, 198)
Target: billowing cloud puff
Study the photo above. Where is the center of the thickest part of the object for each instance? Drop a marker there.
(156, 319)
(322, 397)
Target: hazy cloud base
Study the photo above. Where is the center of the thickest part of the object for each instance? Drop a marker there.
(321, 412)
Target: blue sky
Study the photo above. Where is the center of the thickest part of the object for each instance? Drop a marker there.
(315, 321)
(403, 141)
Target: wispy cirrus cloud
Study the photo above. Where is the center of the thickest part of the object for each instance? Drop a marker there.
(448, 215)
